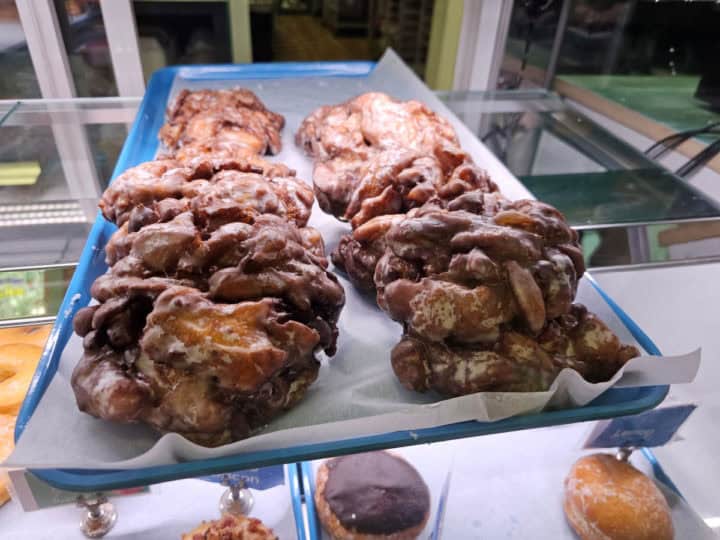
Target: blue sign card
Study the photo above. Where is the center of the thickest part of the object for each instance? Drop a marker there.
(651, 428)
(263, 478)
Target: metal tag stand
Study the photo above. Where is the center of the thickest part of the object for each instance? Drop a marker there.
(99, 517)
(237, 499)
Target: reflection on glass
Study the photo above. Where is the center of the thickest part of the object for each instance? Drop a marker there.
(83, 32)
(32, 293)
(58, 158)
(15, 57)
(172, 32)
(182, 33)
(620, 196)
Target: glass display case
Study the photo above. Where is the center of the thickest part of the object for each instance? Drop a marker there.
(56, 158)
(555, 150)
(648, 236)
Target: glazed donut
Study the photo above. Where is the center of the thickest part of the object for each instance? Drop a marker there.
(609, 499)
(7, 428)
(17, 365)
(371, 496)
(33, 335)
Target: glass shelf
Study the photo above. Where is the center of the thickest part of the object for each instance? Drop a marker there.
(56, 157)
(629, 210)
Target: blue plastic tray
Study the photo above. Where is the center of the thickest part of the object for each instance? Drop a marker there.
(140, 146)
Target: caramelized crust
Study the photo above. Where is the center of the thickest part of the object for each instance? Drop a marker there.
(372, 121)
(475, 268)
(213, 372)
(234, 120)
(153, 182)
(217, 298)
(233, 263)
(357, 253)
(395, 181)
(515, 361)
(376, 156)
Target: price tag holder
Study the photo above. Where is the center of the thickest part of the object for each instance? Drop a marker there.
(260, 479)
(648, 429)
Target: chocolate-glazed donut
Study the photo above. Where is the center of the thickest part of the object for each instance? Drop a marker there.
(372, 495)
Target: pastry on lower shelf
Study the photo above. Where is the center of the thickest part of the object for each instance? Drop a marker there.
(371, 496)
(231, 527)
(17, 366)
(609, 499)
(7, 432)
(31, 335)
(235, 115)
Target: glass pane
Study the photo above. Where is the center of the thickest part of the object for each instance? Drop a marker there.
(33, 293)
(173, 32)
(83, 32)
(620, 57)
(620, 196)
(45, 211)
(56, 159)
(656, 58)
(15, 57)
(567, 160)
(182, 33)
(531, 33)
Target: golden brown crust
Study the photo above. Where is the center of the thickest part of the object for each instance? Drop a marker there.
(515, 361)
(470, 274)
(337, 531)
(211, 337)
(7, 430)
(231, 527)
(17, 366)
(248, 187)
(218, 296)
(233, 121)
(608, 499)
(32, 335)
(377, 156)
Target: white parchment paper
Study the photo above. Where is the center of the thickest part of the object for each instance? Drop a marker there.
(356, 393)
